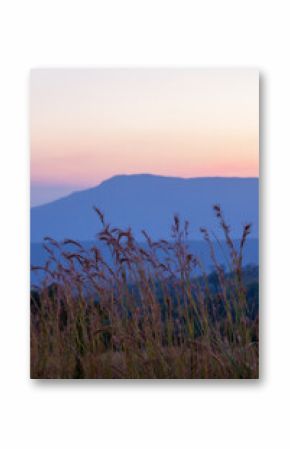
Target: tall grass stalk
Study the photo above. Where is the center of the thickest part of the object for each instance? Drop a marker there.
(149, 313)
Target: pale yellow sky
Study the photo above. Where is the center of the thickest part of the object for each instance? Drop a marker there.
(90, 124)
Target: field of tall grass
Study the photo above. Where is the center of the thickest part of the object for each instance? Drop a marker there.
(152, 312)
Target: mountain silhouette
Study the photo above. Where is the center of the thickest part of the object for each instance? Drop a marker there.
(149, 202)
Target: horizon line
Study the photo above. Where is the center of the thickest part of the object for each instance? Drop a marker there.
(82, 189)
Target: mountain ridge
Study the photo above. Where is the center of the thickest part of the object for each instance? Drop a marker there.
(146, 201)
(112, 178)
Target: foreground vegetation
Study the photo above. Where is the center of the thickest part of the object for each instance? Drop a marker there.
(153, 312)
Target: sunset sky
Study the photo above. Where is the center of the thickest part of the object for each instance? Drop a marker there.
(90, 124)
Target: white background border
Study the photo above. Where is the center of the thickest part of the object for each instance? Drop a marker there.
(82, 414)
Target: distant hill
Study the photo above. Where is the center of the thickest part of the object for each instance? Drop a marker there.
(149, 202)
(198, 248)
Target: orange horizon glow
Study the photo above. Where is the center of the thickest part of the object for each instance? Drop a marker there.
(89, 125)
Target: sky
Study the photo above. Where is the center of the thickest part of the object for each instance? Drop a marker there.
(87, 125)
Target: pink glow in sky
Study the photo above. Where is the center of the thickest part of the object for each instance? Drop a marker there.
(90, 124)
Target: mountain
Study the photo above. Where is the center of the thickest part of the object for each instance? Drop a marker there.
(149, 202)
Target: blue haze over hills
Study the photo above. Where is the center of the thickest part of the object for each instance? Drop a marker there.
(149, 202)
